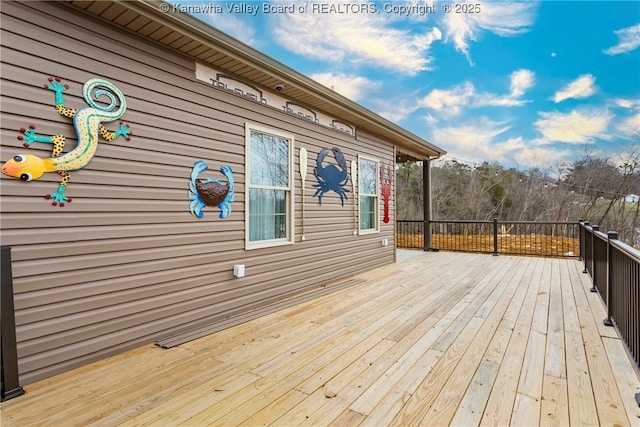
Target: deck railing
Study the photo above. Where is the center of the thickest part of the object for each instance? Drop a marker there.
(560, 239)
(614, 268)
(410, 234)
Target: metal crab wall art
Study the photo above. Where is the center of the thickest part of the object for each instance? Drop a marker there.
(210, 192)
(331, 177)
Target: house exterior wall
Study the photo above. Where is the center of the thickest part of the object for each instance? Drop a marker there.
(125, 263)
(632, 198)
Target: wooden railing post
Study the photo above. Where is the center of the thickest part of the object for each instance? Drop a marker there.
(495, 236)
(611, 235)
(10, 385)
(593, 258)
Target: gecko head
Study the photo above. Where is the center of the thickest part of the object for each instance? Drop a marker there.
(24, 166)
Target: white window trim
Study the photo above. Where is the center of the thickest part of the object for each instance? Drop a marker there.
(377, 208)
(290, 239)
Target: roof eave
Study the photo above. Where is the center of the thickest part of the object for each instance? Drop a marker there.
(209, 36)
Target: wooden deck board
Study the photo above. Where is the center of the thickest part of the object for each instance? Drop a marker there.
(437, 339)
(503, 394)
(554, 409)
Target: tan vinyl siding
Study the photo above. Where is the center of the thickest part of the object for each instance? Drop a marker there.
(126, 263)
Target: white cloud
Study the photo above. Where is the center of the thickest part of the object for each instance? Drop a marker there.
(628, 40)
(232, 25)
(626, 103)
(521, 81)
(630, 126)
(623, 103)
(627, 121)
(350, 86)
(474, 140)
(362, 38)
(575, 127)
(538, 156)
(582, 87)
(398, 113)
(450, 102)
(482, 139)
(502, 18)
(431, 120)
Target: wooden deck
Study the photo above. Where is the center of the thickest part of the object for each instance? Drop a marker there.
(437, 339)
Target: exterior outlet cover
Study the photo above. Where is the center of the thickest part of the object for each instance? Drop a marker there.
(385, 242)
(238, 270)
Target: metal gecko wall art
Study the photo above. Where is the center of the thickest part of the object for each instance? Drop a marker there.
(331, 177)
(210, 192)
(87, 123)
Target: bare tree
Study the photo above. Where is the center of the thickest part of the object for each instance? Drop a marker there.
(592, 188)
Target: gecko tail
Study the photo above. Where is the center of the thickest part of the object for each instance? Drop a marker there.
(102, 88)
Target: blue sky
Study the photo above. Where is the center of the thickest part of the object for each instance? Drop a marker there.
(526, 84)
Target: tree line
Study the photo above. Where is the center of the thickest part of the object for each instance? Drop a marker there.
(592, 188)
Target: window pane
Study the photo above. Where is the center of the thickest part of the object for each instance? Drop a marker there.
(367, 212)
(269, 160)
(258, 169)
(281, 161)
(368, 175)
(267, 214)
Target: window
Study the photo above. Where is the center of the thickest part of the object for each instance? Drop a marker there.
(269, 191)
(368, 187)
